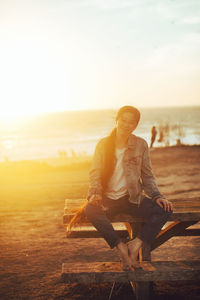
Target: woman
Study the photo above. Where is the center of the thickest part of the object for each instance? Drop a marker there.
(121, 181)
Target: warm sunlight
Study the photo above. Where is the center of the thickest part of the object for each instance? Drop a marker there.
(71, 71)
(32, 81)
(55, 58)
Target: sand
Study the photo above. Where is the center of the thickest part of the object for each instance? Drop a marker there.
(33, 245)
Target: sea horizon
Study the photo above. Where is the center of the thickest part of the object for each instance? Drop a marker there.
(77, 132)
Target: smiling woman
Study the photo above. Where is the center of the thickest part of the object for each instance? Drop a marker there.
(122, 181)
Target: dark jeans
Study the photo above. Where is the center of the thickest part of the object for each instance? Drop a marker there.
(155, 215)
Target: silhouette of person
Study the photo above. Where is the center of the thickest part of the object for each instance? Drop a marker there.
(161, 137)
(153, 135)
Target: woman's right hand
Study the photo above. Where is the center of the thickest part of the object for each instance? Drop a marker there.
(96, 201)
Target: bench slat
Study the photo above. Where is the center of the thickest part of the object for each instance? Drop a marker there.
(72, 205)
(97, 272)
(80, 233)
(181, 200)
(192, 207)
(176, 216)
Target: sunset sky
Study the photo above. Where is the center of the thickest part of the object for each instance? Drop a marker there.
(58, 55)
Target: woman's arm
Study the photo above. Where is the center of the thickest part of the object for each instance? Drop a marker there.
(148, 180)
(150, 185)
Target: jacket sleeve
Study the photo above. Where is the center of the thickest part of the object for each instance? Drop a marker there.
(148, 180)
(95, 185)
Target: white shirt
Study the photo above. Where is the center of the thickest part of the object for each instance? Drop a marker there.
(117, 184)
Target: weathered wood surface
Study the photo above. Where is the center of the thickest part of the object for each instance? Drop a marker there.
(79, 232)
(174, 229)
(143, 289)
(189, 232)
(185, 214)
(92, 233)
(184, 210)
(96, 272)
(72, 205)
(176, 216)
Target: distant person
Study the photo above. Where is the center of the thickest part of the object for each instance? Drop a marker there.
(161, 135)
(153, 135)
(120, 175)
(167, 131)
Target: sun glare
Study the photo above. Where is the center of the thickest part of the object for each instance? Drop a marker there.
(12, 117)
(15, 112)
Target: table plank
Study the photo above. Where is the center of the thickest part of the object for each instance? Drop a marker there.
(96, 272)
(72, 205)
(178, 215)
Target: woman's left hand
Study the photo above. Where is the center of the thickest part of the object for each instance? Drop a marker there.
(164, 203)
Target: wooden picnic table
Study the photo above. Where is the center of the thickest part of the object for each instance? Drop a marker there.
(186, 212)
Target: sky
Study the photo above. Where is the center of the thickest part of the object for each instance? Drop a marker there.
(58, 55)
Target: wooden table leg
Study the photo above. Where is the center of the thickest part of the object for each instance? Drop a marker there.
(142, 289)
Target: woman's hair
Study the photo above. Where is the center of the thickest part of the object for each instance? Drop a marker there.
(108, 167)
(131, 109)
(110, 144)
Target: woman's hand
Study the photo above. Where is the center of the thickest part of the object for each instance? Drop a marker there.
(96, 201)
(164, 203)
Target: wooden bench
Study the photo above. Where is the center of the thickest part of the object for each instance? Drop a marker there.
(186, 213)
(98, 272)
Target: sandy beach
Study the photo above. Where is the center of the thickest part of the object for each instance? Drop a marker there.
(32, 237)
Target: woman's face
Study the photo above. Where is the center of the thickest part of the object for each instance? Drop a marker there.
(126, 123)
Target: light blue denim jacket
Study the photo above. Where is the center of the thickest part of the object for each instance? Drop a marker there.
(137, 167)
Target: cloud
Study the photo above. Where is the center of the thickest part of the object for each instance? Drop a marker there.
(179, 11)
(181, 56)
(112, 4)
(192, 20)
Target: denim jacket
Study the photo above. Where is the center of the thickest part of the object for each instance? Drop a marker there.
(137, 167)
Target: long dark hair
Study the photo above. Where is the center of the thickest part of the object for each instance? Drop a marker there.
(108, 169)
(109, 158)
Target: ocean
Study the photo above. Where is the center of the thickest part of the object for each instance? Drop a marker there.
(76, 133)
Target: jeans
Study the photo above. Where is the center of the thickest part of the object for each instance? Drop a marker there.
(155, 215)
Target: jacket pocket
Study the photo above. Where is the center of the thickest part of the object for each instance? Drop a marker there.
(135, 163)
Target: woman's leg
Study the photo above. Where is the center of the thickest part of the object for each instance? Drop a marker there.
(100, 221)
(156, 218)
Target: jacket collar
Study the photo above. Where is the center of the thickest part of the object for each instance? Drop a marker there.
(132, 141)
